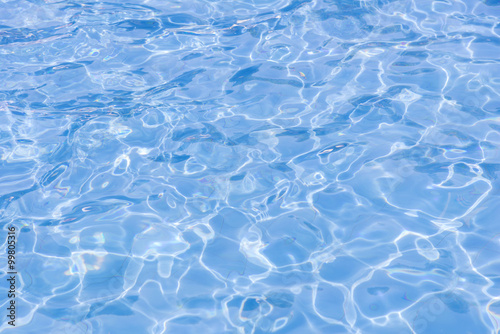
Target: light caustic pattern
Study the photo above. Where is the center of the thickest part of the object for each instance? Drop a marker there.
(252, 166)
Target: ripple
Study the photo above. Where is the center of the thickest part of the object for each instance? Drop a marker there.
(287, 166)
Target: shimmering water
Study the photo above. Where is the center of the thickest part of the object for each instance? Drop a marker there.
(252, 166)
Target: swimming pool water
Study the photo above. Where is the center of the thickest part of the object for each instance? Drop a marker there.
(205, 166)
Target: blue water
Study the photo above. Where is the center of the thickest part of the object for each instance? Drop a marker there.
(301, 166)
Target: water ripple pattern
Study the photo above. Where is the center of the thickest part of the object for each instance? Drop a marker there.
(278, 166)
